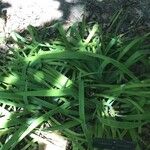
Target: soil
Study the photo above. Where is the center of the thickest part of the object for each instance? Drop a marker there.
(17, 15)
(135, 16)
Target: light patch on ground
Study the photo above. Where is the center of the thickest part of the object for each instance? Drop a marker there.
(35, 12)
(22, 13)
(50, 141)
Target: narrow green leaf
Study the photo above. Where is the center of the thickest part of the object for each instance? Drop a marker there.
(25, 129)
(120, 124)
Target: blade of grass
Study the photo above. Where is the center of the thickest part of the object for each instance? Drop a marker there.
(49, 92)
(25, 129)
(120, 124)
(82, 56)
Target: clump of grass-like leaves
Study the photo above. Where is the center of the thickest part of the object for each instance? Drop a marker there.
(83, 83)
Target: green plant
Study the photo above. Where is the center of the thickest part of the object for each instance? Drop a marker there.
(84, 83)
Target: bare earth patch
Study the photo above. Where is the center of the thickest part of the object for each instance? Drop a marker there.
(19, 14)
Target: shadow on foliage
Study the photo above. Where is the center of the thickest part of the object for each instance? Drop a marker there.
(34, 90)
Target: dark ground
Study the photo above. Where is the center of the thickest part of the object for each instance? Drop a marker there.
(135, 15)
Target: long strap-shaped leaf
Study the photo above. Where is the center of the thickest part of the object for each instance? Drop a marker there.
(121, 125)
(49, 92)
(25, 129)
(67, 55)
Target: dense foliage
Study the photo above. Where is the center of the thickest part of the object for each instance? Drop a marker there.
(83, 83)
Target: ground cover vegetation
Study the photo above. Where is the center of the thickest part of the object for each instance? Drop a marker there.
(83, 83)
